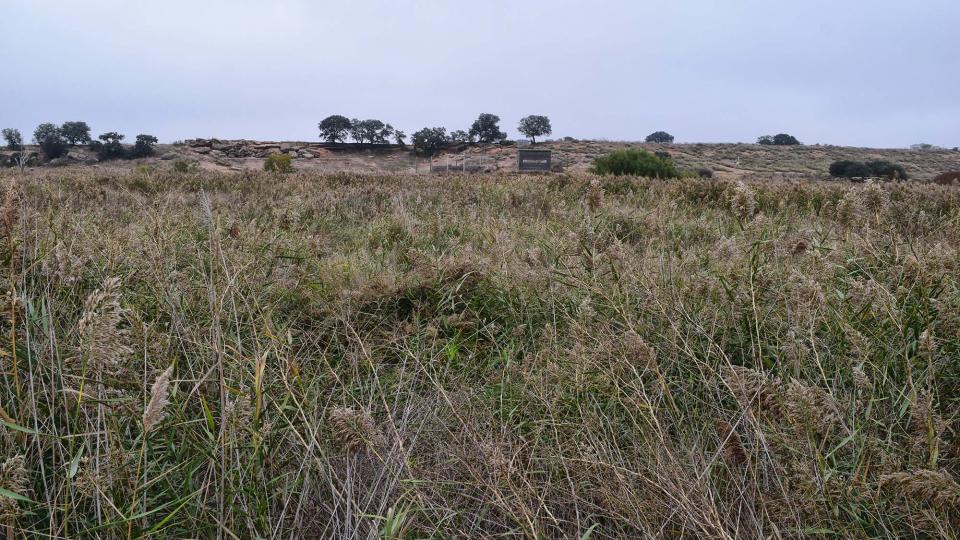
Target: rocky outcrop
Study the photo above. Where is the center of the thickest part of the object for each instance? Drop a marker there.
(256, 149)
(236, 149)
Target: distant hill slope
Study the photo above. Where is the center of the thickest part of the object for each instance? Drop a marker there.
(736, 160)
(725, 160)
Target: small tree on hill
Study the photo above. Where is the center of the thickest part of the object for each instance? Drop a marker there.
(460, 136)
(384, 134)
(429, 141)
(45, 131)
(50, 139)
(334, 128)
(13, 138)
(144, 146)
(109, 146)
(371, 131)
(486, 129)
(660, 137)
(780, 139)
(76, 132)
(356, 130)
(400, 137)
(783, 139)
(534, 126)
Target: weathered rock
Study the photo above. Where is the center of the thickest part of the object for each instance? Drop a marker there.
(58, 162)
(202, 149)
(76, 155)
(169, 155)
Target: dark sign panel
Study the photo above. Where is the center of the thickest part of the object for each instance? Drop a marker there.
(533, 160)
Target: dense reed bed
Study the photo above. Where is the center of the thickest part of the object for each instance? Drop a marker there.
(350, 356)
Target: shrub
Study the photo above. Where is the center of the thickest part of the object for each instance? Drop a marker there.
(182, 165)
(948, 178)
(429, 141)
(871, 169)
(660, 137)
(486, 129)
(334, 128)
(281, 163)
(634, 162)
(13, 137)
(704, 172)
(838, 169)
(885, 169)
(143, 147)
(76, 132)
(849, 169)
(534, 126)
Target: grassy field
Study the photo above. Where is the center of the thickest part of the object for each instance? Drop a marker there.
(563, 356)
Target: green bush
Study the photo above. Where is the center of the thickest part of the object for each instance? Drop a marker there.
(282, 163)
(846, 168)
(872, 169)
(634, 162)
(182, 165)
(885, 169)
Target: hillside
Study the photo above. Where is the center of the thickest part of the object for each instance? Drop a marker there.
(729, 161)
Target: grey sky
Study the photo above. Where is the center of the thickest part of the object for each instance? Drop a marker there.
(866, 73)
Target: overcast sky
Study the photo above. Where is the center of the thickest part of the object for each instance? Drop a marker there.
(882, 73)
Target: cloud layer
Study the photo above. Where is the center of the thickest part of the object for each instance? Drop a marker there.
(881, 73)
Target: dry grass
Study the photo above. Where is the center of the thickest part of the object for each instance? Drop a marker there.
(344, 356)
